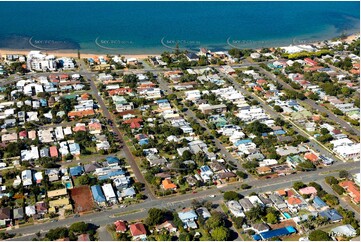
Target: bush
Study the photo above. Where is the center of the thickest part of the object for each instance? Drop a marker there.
(230, 195)
(319, 235)
(245, 186)
(331, 180)
(338, 189)
(241, 174)
(343, 174)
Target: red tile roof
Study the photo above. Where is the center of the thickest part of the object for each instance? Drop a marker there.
(54, 151)
(311, 157)
(294, 201)
(81, 114)
(137, 229)
(120, 226)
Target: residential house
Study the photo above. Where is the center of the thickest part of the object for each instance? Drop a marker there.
(246, 204)
(352, 190)
(332, 215)
(260, 228)
(18, 213)
(167, 225)
(109, 193)
(203, 212)
(188, 217)
(308, 191)
(235, 208)
(138, 231)
(5, 216)
(319, 204)
(98, 195)
(168, 185)
(344, 230)
(120, 226)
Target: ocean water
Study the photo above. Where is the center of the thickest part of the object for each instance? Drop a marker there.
(154, 27)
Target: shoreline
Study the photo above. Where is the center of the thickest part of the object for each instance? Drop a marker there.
(70, 53)
(74, 53)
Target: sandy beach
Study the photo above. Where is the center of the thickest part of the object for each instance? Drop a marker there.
(70, 53)
(74, 53)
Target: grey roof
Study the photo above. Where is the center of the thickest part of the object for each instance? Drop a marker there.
(246, 203)
(202, 211)
(91, 167)
(18, 213)
(346, 230)
(260, 227)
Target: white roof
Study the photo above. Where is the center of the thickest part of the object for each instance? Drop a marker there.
(108, 191)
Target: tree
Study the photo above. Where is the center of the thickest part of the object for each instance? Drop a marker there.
(343, 174)
(245, 186)
(306, 166)
(230, 195)
(298, 185)
(338, 189)
(278, 109)
(255, 213)
(216, 220)
(84, 180)
(324, 131)
(220, 234)
(155, 216)
(187, 155)
(79, 227)
(319, 235)
(330, 180)
(271, 218)
(331, 200)
(241, 174)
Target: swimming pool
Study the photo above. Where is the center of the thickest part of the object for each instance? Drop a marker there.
(287, 215)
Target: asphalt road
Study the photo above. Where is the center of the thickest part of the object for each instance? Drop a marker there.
(314, 143)
(129, 156)
(313, 104)
(139, 211)
(189, 113)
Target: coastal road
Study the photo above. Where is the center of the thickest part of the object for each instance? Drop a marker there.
(313, 104)
(129, 156)
(177, 202)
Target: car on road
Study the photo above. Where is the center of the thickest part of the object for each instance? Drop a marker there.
(76, 216)
(194, 192)
(212, 195)
(55, 220)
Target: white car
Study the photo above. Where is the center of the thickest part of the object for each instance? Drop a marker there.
(212, 195)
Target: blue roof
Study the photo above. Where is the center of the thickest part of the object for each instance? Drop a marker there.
(264, 134)
(143, 142)
(76, 170)
(278, 232)
(243, 141)
(205, 168)
(187, 215)
(111, 174)
(112, 159)
(98, 193)
(279, 132)
(331, 214)
(256, 237)
(43, 102)
(319, 202)
(162, 101)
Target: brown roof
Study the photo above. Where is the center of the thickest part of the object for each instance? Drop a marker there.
(5, 213)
